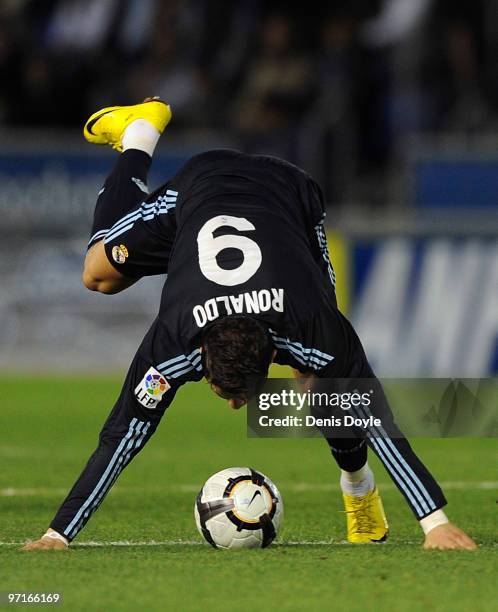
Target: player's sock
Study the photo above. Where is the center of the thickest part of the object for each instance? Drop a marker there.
(141, 135)
(358, 483)
(349, 453)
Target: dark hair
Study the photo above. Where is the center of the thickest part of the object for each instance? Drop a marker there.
(237, 352)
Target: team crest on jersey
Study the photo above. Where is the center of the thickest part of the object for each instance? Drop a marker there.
(120, 253)
(151, 388)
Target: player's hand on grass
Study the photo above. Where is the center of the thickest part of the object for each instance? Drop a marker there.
(46, 542)
(448, 537)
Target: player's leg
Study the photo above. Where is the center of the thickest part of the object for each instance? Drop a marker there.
(410, 475)
(124, 188)
(413, 479)
(366, 520)
(124, 201)
(134, 131)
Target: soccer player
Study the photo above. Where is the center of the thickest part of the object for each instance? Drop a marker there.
(249, 282)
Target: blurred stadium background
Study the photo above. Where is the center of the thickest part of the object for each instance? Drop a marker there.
(391, 104)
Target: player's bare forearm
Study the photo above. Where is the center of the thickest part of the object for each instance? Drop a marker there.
(99, 275)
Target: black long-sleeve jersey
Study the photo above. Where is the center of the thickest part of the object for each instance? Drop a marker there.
(238, 234)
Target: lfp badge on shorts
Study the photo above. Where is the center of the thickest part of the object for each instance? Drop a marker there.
(151, 388)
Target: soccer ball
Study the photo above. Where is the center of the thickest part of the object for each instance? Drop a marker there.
(239, 508)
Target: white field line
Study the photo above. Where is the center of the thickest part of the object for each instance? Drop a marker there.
(22, 492)
(283, 544)
(125, 543)
(296, 487)
(152, 543)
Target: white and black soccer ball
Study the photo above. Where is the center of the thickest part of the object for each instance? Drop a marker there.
(239, 508)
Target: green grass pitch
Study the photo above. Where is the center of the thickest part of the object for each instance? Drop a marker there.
(50, 426)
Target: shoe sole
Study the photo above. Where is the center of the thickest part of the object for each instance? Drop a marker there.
(382, 539)
(379, 541)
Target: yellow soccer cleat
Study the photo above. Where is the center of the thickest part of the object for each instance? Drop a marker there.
(107, 125)
(366, 518)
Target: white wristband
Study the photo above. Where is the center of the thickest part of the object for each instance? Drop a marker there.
(436, 518)
(53, 535)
